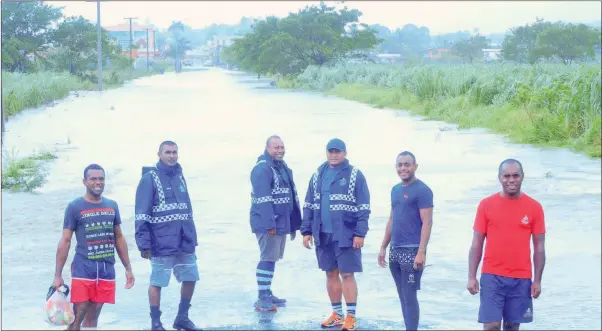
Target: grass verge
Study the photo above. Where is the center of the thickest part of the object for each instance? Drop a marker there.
(24, 174)
(24, 91)
(550, 105)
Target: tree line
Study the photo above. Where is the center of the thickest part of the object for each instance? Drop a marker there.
(319, 35)
(37, 36)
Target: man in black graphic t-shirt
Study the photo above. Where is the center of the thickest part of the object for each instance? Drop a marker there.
(96, 223)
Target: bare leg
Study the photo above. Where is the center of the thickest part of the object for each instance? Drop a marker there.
(492, 326)
(187, 290)
(80, 309)
(511, 326)
(91, 318)
(349, 287)
(154, 295)
(334, 286)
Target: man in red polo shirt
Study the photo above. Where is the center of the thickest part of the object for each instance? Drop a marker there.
(509, 220)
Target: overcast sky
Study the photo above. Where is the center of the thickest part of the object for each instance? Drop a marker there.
(438, 16)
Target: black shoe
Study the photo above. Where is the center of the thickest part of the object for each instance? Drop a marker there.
(277, 301)
(157, 326)
(184, 323)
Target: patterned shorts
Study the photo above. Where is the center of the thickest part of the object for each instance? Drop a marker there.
(403, 256)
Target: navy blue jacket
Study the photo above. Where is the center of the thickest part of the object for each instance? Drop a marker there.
(164, 222)
(349, 205)
(271, 198)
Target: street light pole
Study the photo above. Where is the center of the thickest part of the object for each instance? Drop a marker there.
(99, 45)
(147, 49)
(131, 36)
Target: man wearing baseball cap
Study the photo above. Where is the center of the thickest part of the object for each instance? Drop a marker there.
(335, 216)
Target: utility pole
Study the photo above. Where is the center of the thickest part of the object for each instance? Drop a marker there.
(154, 43)
(147, 49)
(131, 36)
(99, 45)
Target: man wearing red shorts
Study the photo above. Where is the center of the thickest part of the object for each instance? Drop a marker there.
(509, 220)
(96, 223)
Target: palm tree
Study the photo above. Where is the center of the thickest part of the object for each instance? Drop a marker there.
(176, 29)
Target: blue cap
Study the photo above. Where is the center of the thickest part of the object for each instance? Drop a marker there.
(336, 143)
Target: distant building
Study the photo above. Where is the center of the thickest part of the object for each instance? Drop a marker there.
(217, 44)
(121, 34)
(435, 53)
(492, 54)
(388, 58)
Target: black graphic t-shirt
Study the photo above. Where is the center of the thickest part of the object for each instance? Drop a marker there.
(94, 227)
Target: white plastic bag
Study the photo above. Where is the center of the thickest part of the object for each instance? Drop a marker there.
(58, 308)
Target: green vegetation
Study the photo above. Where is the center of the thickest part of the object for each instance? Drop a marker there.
(21, 91)
(315, 35)
(544, 90)
(553, 104)
(24, 174)
(46, 55)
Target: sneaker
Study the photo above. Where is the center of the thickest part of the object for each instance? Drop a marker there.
(334, 320)
(277, 301)
(350, 323)
(265, 304)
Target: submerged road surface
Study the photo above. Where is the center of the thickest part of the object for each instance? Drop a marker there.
(220, 121)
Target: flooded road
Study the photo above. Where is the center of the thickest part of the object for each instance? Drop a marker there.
(220, 121)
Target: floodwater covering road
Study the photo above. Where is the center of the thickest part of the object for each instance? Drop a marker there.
(220, 121)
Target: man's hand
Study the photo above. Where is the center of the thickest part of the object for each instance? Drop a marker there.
(419, 260)
(308, 241)
(473, 286)
(272, 232)
(146, 254)
(358, 242)
(293, 235)
(129, 279)
(381, 257)
(535, 290)
(58, 281)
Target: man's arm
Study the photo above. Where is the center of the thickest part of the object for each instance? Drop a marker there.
(475, 253)
(539, 239)
(261, 181)
(122, 248)
(143, 211)
(362, 196)
(426, 216)
(69, 225)
(62, 252)
(539, 255)
(387, 236)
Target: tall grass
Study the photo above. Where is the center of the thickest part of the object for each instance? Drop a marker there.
(546, 104)
(24, 174)
(21, 91)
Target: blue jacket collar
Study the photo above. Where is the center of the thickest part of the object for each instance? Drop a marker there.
(169, 170)
(343, 165)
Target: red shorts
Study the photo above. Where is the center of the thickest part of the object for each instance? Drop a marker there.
(92, 281)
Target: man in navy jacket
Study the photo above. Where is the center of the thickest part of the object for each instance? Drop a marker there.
(166, 234)
(335, 216)
(275, 212)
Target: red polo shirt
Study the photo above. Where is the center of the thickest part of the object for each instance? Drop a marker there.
(508, 225)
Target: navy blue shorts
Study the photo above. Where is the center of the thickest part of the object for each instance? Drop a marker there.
(331, 256)
(505, 298)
